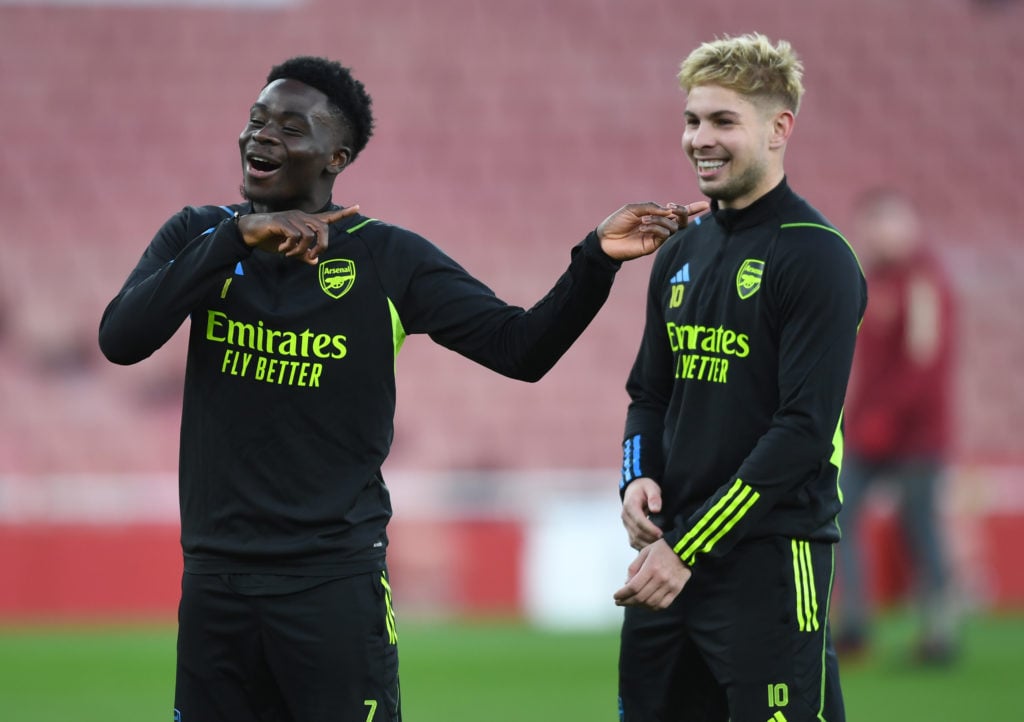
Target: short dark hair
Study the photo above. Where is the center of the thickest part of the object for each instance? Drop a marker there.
(346, 95)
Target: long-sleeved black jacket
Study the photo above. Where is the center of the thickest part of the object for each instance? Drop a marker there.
(289, 393)
(737, 390)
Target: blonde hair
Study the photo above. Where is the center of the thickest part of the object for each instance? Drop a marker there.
(749, 65)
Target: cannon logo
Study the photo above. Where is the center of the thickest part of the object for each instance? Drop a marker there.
(748, 278)
(337, 276)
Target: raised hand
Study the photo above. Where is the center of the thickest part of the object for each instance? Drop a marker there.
(293, 233)
(638, 229)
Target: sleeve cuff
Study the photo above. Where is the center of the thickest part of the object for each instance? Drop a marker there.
(592, 249)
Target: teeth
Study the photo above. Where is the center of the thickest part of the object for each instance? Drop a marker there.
(710, 164)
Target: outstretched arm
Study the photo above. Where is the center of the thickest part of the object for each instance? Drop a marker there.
(440, 298)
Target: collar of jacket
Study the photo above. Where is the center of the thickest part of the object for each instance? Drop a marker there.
(762, 209)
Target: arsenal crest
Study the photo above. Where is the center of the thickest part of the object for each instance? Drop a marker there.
(337, 276)
(748, 278)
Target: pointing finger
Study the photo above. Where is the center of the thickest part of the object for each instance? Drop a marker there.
(338, 213)
(688, 210)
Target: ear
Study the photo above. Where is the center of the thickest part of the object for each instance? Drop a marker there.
(782, 128)
(340, 159)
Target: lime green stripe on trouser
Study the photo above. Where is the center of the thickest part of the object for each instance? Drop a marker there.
(389, 615)
(803, 580)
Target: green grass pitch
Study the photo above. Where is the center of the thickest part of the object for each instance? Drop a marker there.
(495, 671)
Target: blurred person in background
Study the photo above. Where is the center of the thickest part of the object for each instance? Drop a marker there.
(298, 309)
(898, 419)
(733, 438)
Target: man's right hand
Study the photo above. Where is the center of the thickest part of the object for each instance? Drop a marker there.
(294, 233)
(638, 229)
(641, 499)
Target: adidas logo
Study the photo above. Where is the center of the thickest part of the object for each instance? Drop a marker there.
(682, 275)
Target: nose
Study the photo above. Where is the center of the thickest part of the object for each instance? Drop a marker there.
(697, 135)
(264, 134)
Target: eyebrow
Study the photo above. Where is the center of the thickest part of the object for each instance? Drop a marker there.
(285, 113)
(715, 114)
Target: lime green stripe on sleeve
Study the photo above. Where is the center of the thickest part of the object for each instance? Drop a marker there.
(355, 228)
(701, 526)
(751, 500)
(837, 444)
(830, 229)
(718, 521)
(838, 447)
(397, 329)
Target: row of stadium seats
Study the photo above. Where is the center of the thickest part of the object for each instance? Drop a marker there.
(505, 132)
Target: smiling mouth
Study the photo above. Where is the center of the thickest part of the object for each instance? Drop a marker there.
(259, 166)
(709, 168)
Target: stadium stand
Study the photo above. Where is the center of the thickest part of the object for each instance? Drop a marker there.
(506, 131)
(504, 134)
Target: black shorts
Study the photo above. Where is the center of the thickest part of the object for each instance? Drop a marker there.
(326, 651)
(747, 640)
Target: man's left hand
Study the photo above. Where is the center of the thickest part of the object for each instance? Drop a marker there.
(656, 577)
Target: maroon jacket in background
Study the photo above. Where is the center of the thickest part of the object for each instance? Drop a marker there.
(899, 404)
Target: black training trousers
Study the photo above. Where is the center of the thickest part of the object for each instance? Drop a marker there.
(747, 640)
(326, 652)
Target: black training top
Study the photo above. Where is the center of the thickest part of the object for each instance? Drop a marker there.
(737, 390)
(290, 382)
